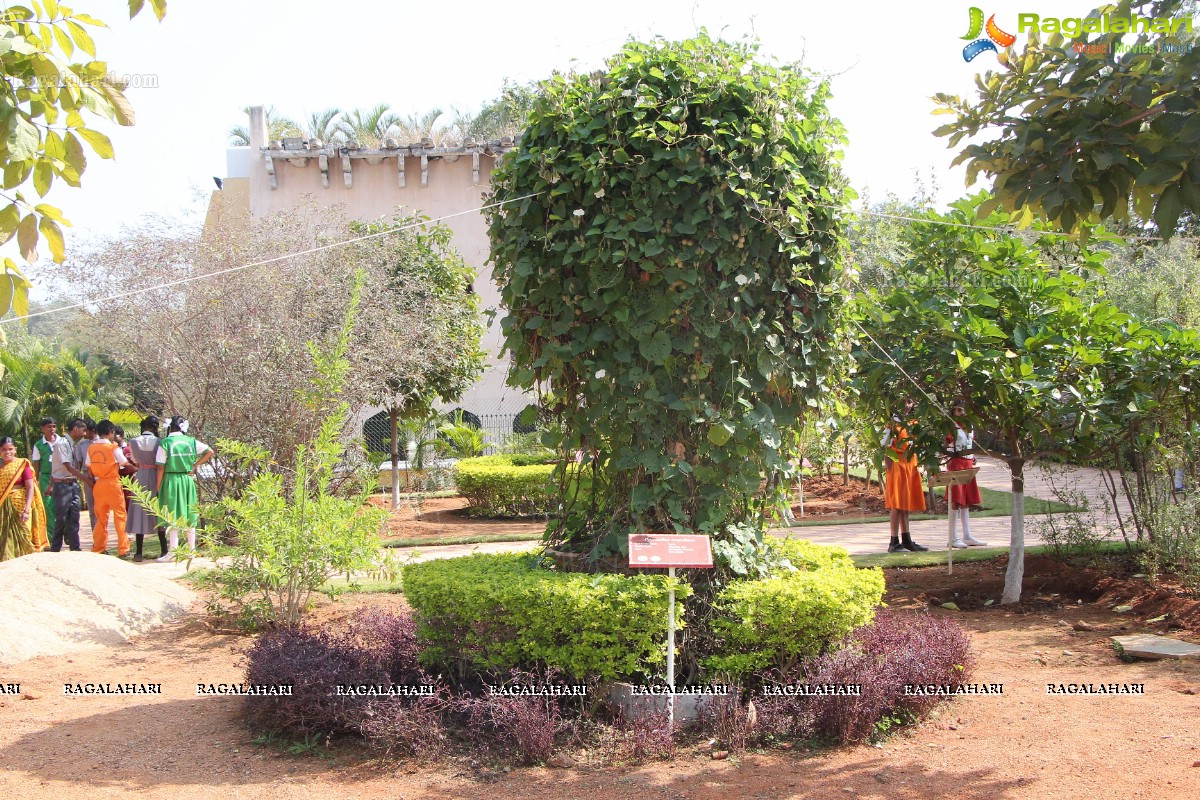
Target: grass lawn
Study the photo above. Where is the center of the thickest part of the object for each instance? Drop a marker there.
(933, 559)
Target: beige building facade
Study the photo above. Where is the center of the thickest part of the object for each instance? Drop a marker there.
(443, 183)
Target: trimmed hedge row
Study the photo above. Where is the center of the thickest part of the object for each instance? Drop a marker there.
(777, 622)
(501, 612)
(506, 485)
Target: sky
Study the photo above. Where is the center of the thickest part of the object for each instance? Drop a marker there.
(207, 60)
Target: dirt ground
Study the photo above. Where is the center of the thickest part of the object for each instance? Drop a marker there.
(446, 518)
(1023, 744)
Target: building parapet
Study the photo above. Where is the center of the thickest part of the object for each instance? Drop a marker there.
(297, 152)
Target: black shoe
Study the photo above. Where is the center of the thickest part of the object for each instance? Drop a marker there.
(896, 547)
(138, 558)
(908, 544)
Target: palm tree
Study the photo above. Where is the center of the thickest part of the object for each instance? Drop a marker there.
(83, 388)
(23, 387)
(422, 126)
(323, 125)
(278, 127)
(369, 126)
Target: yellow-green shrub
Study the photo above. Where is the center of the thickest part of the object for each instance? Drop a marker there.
(495, 486)
(499, 612)
(776, 622)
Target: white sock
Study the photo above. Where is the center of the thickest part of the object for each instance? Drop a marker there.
(966, 523)
(953, 522)
(191, 537)
(172, 543)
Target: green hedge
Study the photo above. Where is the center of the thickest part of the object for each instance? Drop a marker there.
(499, 486)
(498, 612)
(775, 623)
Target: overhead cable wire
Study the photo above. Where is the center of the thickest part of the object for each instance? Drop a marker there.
(264, 262)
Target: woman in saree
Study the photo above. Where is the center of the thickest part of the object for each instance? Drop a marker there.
(22, 514)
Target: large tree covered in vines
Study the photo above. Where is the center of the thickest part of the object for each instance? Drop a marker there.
(670, 279)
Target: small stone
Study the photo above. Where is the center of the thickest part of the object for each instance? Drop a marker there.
(30, 696)
(720, 755)
(952, 727)
(1123, 609)
(507, 770)
(1064, 623)
(1068, 653)
(1196, 763)
(1080, 625)
(560, 761)
(951, 607)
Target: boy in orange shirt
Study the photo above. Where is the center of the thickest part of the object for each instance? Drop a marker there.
(104, 462)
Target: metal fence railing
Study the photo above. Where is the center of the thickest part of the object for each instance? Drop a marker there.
(500, 431)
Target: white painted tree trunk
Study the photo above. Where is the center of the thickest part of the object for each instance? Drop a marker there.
(394, 418)
(1016, 549)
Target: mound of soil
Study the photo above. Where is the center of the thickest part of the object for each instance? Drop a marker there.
(1049, 585)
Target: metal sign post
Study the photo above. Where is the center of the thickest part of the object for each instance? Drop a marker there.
(670, 550)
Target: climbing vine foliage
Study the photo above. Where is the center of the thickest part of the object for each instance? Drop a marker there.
(670, 280)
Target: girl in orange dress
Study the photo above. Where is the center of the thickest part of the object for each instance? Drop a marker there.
(903, 493)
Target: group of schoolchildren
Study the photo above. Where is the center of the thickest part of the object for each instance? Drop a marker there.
(87, 465)
(903, 493)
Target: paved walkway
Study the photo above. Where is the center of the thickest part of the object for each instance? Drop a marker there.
(858, 538)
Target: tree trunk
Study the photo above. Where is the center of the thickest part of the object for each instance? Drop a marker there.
(394, 418)
(1016, 549)
(846, 462)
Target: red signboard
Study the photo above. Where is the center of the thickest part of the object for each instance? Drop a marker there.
(669, 550)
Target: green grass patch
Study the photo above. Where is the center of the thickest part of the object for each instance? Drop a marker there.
(340, 585)
(473, 538)
(938, 558)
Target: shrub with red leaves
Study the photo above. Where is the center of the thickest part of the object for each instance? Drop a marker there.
(526, 726)
(896, 650)
(375, 649)
(647, 735)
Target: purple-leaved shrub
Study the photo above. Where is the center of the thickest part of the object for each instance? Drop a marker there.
(375, 649)
(895, 651)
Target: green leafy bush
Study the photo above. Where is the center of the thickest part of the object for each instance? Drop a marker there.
(501, 612)
(674, 282)
(506, 485)
(296, 528)
(796, 614)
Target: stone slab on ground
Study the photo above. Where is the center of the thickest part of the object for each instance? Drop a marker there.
(1144, 645)
(55, 603)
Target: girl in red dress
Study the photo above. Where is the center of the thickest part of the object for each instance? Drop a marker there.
(962, 496)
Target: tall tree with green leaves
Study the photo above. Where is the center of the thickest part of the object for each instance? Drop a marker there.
(1077, 131)
(43, 103)
(668, 262)
(421, 340)
(984, 316)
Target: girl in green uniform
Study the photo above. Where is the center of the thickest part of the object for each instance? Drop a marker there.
(177, 458)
